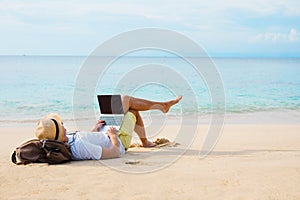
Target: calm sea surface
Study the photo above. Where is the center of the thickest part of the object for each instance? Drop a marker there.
(32, 86)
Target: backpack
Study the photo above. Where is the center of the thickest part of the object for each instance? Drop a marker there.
(42, 151)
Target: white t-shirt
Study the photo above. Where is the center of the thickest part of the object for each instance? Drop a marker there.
(88, 145)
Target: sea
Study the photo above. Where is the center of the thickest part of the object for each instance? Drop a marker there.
(257, 89)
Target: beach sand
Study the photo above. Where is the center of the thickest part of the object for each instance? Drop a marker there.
(249, 161)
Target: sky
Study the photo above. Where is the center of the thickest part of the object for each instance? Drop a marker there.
(258, 28)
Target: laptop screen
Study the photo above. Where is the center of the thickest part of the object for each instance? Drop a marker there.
(110, 104)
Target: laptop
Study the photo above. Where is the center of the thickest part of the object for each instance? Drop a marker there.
(111, 109)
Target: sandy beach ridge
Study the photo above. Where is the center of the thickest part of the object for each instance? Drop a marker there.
(248, 162)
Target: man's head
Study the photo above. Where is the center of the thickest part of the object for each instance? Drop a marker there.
(50, 127)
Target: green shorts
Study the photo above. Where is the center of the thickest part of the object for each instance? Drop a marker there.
(126, 129)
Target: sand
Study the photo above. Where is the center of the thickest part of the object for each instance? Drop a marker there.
(250, 161)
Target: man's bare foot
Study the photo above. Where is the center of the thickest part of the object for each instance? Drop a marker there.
(148, 144)
(169, 104)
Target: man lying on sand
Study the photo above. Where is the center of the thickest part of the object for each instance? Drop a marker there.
(106, 142)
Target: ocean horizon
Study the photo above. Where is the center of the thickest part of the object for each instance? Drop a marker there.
(32, 86)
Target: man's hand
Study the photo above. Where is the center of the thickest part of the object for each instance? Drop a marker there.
(114, 150)
(112, 133)
(98, 126)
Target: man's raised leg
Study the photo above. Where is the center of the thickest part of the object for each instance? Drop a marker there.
(132, 103)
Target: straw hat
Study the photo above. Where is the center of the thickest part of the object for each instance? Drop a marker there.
(50, 127)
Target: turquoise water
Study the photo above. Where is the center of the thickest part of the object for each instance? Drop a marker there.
(32, 86)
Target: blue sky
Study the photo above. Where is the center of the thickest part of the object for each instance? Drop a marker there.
(222, 27)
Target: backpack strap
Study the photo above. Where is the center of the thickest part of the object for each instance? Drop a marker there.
(73, 137)
(13, 157)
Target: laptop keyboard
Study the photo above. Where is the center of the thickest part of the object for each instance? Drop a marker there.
(112, 120)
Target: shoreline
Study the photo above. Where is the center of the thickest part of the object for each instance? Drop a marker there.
(263, 117)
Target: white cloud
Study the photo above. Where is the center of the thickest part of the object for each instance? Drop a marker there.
(207, 21)
(190, 13)
(292, 36)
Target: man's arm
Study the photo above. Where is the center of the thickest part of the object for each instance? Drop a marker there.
(114, 150)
